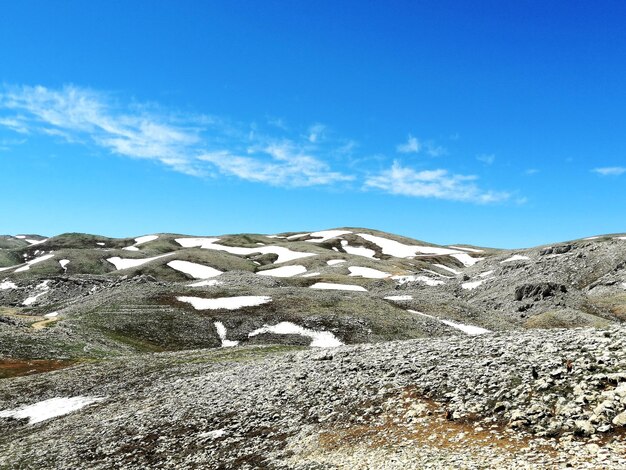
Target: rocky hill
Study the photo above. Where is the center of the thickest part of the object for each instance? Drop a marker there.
(343, 348)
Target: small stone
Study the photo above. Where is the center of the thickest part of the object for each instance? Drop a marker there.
(620, 419)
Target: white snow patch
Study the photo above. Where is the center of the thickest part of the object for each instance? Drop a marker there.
(466, 259)
(446, 268)
(130, 248)
(399, 298)
(36, 242)
(50, 408)
(284, 254)
(330, 286)
(42, 288)
(51, 314)
(620, 238)
(7, 285)
(400, 250)
(623, 285)
(21, 237)
(422, 314)
(367, 272)
(284, 271)
(474, 284)
(324, 235)
(212, 434)
(473, 250)
(468, 329)
(126, 263)
(435, 273)
(335, 248)
(221, 332)
(591, 238)
(485, 274)
(334, 262)
(64, 263)
(310, 274)
(228, 303)
(34, 261)
(195, 242)
(423, 279)
(515, 258)
(145, 239)
(357, 250)
(297, 235)
(198, 271)
(210, 283)
(321, 339)
(100, 243)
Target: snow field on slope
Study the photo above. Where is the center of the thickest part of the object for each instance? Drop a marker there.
(423, 279)
(325, 235)
(334, 262)
(400, 250)
(331, 286)
(221, 332)
(446, 268)
(284, 254)
(356, 250)
(125, 263)
(320, 339)
(284, 271)
(34, 261)
(474, 284)
(51, 408)
(467, 329)
(42, 289)
(195, 270)
(210, 283)
(227, 303)
(368, 273)
(399, 298)
(515, 258)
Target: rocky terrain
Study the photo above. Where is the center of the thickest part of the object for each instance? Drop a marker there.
(344, 348)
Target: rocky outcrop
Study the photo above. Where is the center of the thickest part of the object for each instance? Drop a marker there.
(539, 291)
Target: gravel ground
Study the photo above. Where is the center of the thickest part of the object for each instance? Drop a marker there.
(503, 400)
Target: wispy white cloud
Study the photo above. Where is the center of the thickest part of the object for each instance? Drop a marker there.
(438, 184)
(435, 150)
(14, 123)
(316, 132)
(208, 146)
(284, 165)
(610, 170)
(195, 145)
(415, 145)
(531, 171)
(412, 145)
(487, 159)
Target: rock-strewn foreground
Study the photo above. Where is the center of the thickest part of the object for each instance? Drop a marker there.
(345, 348)
(457, 402)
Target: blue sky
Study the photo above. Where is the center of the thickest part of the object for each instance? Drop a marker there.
(493, 123)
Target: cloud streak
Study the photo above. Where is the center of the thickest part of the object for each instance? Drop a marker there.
(207, 146)
(195, 145)
(437, 184)
(412, 145)
(610, 170)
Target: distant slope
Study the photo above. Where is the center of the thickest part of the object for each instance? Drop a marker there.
(115, 296)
